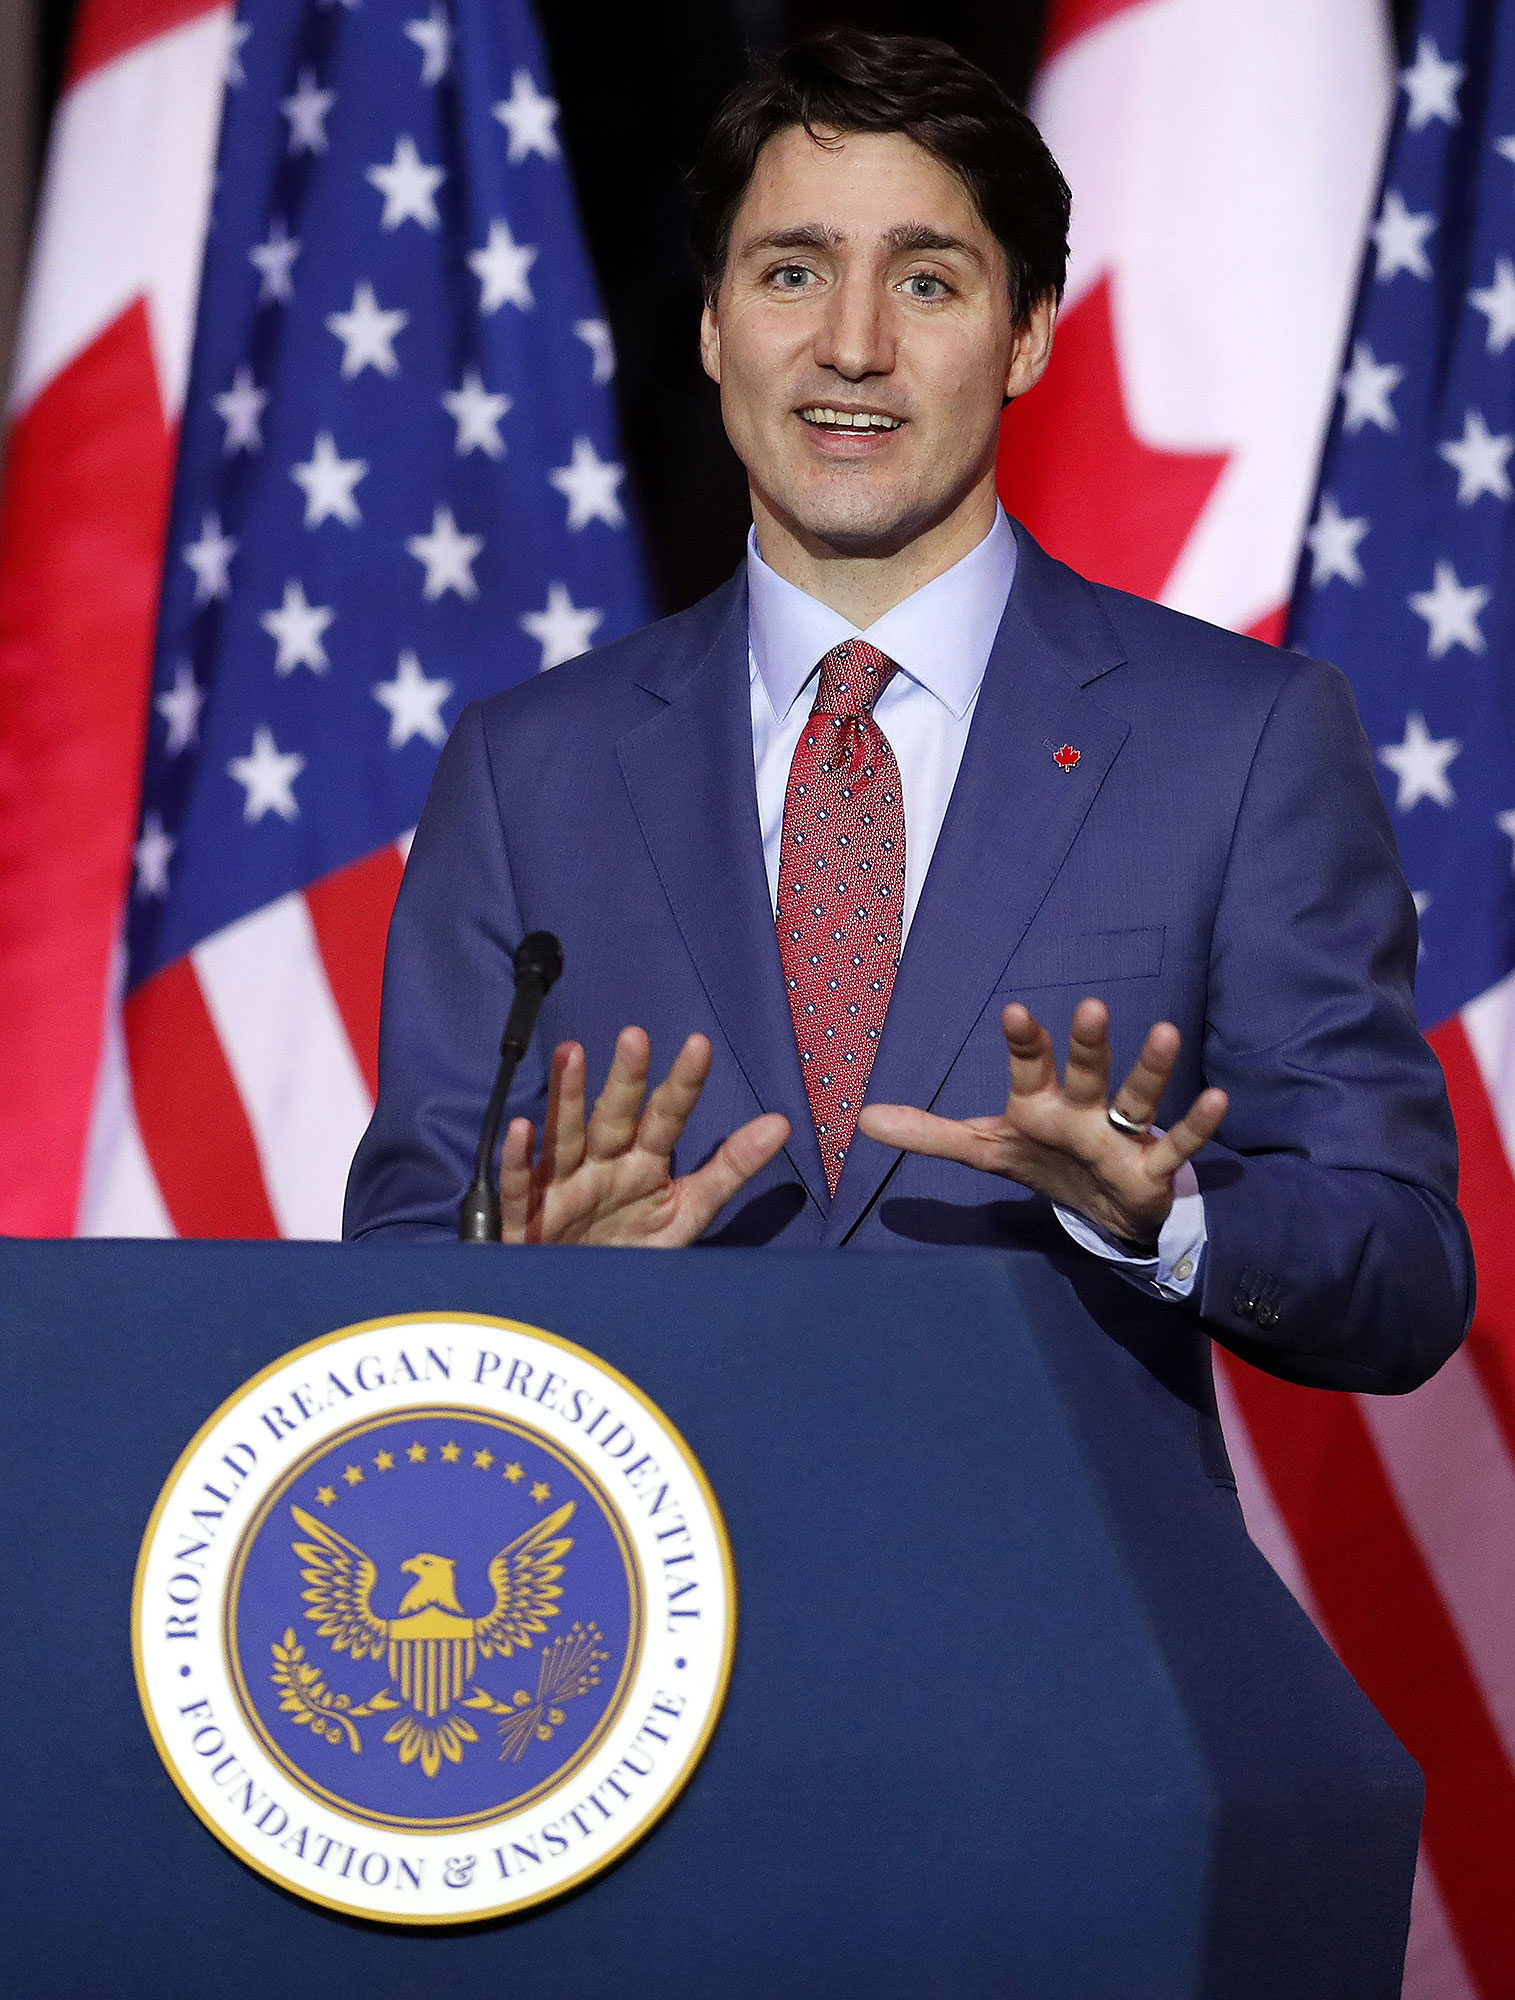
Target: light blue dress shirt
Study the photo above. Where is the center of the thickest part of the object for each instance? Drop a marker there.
(941, 638)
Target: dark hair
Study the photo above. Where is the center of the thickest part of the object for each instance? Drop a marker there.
(851, 80)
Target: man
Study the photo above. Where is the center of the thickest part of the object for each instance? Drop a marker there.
(897, 797)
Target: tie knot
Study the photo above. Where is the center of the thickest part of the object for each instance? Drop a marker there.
(853, 676)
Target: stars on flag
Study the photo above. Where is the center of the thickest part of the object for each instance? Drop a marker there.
(562, 629)
(297, 627)
(1505, 821)
(327, 481)
(595, 334)
(210, 559)
(1333, 540)
(236, 75)
(409, 187)
(1450, 609)
(151, 855)
(241, 409)
(307, 110)
(589, 483)
(503, 269)
(1420, 763)
(414, 704)
(1496, 301)
(432, 35)
(1399, 239)
(1366, 388)
(1481, 460)
(274, 259)
(529, 117)
(448, 555)
(367, 333)
(477, 414)
(267, 775)
(180, 707)
(1432, 86)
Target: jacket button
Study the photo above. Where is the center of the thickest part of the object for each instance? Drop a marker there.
(1267, 1313)
(1243, 1304)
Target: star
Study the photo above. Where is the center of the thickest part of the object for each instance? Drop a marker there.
(1420, 764)
(268, 776)
(477, 415)
(236, 75)
(589, 483)
(433, 37)
(327, 480)
(353, 1474)
(1482, 461)
(1432, 86)
(306, 111)
(541, 1492)
(210, 559)
(326, 1495)
(297, 626)
(449, 557)
(1451, 610)
(384, 1461)
(561, 630)
(1333, 541)
(528, 117)
(274, 259)
(483, 1459)
(367, 333)
(1400, 239)
(416, 1453)
(451, 1452)
(414, 704)
(1505, 821)
(1497, 303)
(409, 187)
(502, 269)
(152, 854)
(595, 334)
(241, 409)
(1506, 148)
(514, 1473)
(180, 708)
(1367, 387)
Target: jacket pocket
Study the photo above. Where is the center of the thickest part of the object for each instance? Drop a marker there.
(1086, 958)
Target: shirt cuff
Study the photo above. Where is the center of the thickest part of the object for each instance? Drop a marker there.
(1173, 1271)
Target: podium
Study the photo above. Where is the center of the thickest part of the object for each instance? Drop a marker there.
(1016, 1709)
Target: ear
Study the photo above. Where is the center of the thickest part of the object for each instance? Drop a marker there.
(1032, 347)
(710, 344)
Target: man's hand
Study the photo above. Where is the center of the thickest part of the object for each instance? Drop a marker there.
(610, 1180)
(1059, 1140)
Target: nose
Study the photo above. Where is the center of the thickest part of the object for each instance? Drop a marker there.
(855, 335)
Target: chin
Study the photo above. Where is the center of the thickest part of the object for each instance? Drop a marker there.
(859, 522)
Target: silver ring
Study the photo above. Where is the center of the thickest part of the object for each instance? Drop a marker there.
(1124, 1124)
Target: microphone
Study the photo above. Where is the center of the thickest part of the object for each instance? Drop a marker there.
(538, 962)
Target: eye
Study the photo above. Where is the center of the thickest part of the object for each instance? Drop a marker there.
(790, 277)
(926, 285)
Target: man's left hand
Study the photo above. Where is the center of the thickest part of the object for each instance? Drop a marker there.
(1058, 1139)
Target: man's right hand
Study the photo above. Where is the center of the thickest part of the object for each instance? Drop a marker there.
(610, 1180)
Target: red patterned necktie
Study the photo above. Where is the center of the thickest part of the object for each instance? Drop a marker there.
(841, 897)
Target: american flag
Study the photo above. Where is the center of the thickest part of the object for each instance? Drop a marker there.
(398, 489)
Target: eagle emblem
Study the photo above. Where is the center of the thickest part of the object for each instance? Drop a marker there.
(431, 1647)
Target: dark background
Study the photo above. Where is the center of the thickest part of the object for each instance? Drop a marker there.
(637, 81)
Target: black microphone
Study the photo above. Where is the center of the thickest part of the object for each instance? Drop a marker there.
(538, 961)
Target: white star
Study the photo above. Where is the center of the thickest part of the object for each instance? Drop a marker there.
(409, 187)
(274, 260)
(477, 415)
(414, 704)
(152, 854)
(528, 117)
(1420, 764)
(327, 480)
(297, 626)
(1482, 460)
(449, 556)
(180, 708)
(268, 775)
(1497, 303)
(1432, 86)
(595, 335)
(1367, 387)
(1333, 540)
(1505, 821)
(433, 37)
(561, 629)
(306, 111)
(367, 333)
(210, 559)
(1400, 239)
(241, 409)
(502, 268)
(236, 75)
(589, 483)
(1505, 148)
(1451, 610)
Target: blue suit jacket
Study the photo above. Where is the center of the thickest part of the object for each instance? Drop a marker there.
(1218, 857)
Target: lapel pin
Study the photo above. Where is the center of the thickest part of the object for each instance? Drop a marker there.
(1065, 758)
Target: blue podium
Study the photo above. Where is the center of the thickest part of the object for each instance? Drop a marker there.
(1016, 1708)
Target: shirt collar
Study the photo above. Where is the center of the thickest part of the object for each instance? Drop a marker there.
(941, 635)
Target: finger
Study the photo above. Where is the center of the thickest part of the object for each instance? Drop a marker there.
(1086, 1080)
(515, 1181)
(702, 1195)
(670, 1104)
(1182, 1141)
(563, 1126)
(1032, 1066)
(911, 1131)
(614, 1124)
(1141, 1093)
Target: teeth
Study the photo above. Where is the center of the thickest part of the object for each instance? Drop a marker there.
(857, 420)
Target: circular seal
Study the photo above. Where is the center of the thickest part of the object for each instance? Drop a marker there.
(433, 1618)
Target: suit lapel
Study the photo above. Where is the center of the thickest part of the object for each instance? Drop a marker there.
(689, 771)
(1013, 816)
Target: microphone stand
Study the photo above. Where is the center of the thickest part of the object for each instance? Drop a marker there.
(538, 962)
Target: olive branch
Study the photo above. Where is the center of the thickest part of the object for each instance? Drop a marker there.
(570, 1667)
(306, 1698)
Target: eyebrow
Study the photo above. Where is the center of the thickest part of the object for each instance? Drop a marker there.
(904, 237)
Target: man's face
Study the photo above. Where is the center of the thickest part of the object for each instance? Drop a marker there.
(862, 338)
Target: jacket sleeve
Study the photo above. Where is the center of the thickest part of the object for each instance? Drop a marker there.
(1336, 1254)
(448, 981)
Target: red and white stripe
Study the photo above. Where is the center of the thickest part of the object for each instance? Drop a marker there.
(1224, 156)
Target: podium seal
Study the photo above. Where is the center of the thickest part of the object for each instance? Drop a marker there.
(433, 1618)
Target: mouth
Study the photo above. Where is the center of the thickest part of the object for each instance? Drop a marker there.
(833, 422)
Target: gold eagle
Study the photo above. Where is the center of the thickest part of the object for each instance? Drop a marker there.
(431, 1643)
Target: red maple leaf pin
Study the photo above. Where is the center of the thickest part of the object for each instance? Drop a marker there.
(1066, 758)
